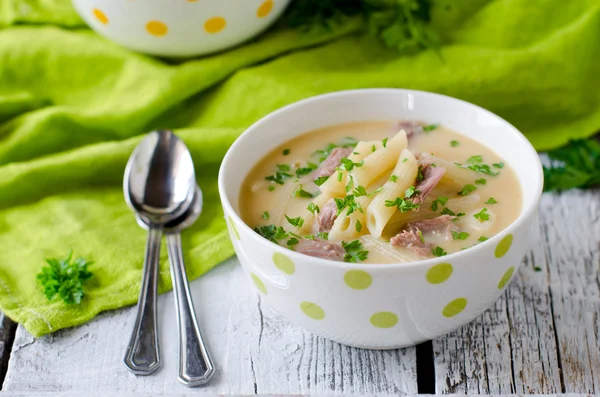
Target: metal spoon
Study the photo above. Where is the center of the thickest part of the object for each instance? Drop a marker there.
(159, 183)
(195, 364)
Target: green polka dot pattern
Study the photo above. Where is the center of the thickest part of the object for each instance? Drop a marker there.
(455, 307)
(233, 228)
(506, 278)
(259, 284)
(358, 279)
(312, 310)
(384, 319)
(503, 246)
(439, 273)
(283, 263)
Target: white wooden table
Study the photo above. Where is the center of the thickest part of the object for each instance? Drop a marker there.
(541, 337)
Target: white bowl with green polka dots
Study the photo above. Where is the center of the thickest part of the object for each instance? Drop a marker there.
(179, 28)
(380, 306)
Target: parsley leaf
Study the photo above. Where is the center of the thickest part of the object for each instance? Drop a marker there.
(498, 165)
(279, 177)
(265, 215)
(348, 165)
(320, 180)
(393, 178)
(323, 235)
(460, 236)
(271, 232)
(481, 181)
(291, 242)
(296, 222)
(360, 191)
(312, 207)
(310, 167)
(347, 202)
(358, 226)
(301, 193)
(65, 278)
(447, 211)
(420, 176)
(482, 215)
(482, 239)
(271, 188)
(576, 165)
(491, 200)
(420, 234)
(402, 205)
(454, 143)
(286, 152)
(410, 192)
(438, 251)
(384, 142)
(467, 189)
(354, 251)
(475, 160)
(430, 127)
(373, 148)
(440, 200)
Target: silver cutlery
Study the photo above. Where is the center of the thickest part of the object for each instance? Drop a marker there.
(159, 184)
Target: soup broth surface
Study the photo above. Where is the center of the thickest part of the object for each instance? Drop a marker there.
(477, 196)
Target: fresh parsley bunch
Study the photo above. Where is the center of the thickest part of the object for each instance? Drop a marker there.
(576, 165)
(65, 278)
(399, 24)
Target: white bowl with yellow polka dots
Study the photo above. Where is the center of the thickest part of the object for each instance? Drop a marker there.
(179, 28)
(381, 306)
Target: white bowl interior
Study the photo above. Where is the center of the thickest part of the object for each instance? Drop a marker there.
(380, 105)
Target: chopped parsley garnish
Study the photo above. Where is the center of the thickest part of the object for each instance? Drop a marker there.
(404, 160)
(284, 167)
(482, 239)
(461, 214)
(360, 191)
(491, 200)
(324, 153)
(265, 215)
(286, 152)
(420, 234)
(481, 181)
(339, 176)
(475, 160)
(301, 193)
(438, 251)
(420, 176)
(499, 165)
(402, 205)
(279, 177)
(482, 215)
(384, 142)
(296, 222)
(354, 251)
(440, 200)
(348, 165)
(447, 211)
(271, 188)
(483, 168)
(410, 192)
(323, 235)
(374, 192)
(358, 226)
(310, 167)
(350, 184)
(291, 242)
(272, 232)
(537, 269)
(320, 180)
(63, 278)
(373, 148)
(312, 207)
(347, 202)
(454, 143)
(467, 189)
(430, 127)
(460, 236)
(394, 178)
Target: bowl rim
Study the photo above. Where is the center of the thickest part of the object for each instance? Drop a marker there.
(526, 213)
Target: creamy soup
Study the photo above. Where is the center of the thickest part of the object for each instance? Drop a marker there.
(380, 192)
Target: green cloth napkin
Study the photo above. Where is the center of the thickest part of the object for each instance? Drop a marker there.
(73, 106)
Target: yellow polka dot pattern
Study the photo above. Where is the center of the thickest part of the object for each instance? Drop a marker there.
(455, 307)
(439, 273)
(259, 284)
(264, 9)
(506, 278)
(215, 24)
(358, 279)
(283, 263)
(312, 310)
(100, 16)
(157, 28)
(384, 319)
(503, 246)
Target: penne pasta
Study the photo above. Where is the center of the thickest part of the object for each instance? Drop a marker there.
(380, 161)
(378, 247)
(345, 227)
(454, 175)
(378, 213)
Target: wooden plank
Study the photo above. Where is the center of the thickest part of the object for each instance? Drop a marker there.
(7, 334)
(255, 351)
(571, 227)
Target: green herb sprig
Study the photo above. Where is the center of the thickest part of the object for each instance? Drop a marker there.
(64, 278)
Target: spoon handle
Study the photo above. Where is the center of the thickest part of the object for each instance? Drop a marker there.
(143, 356)
(195, 364)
